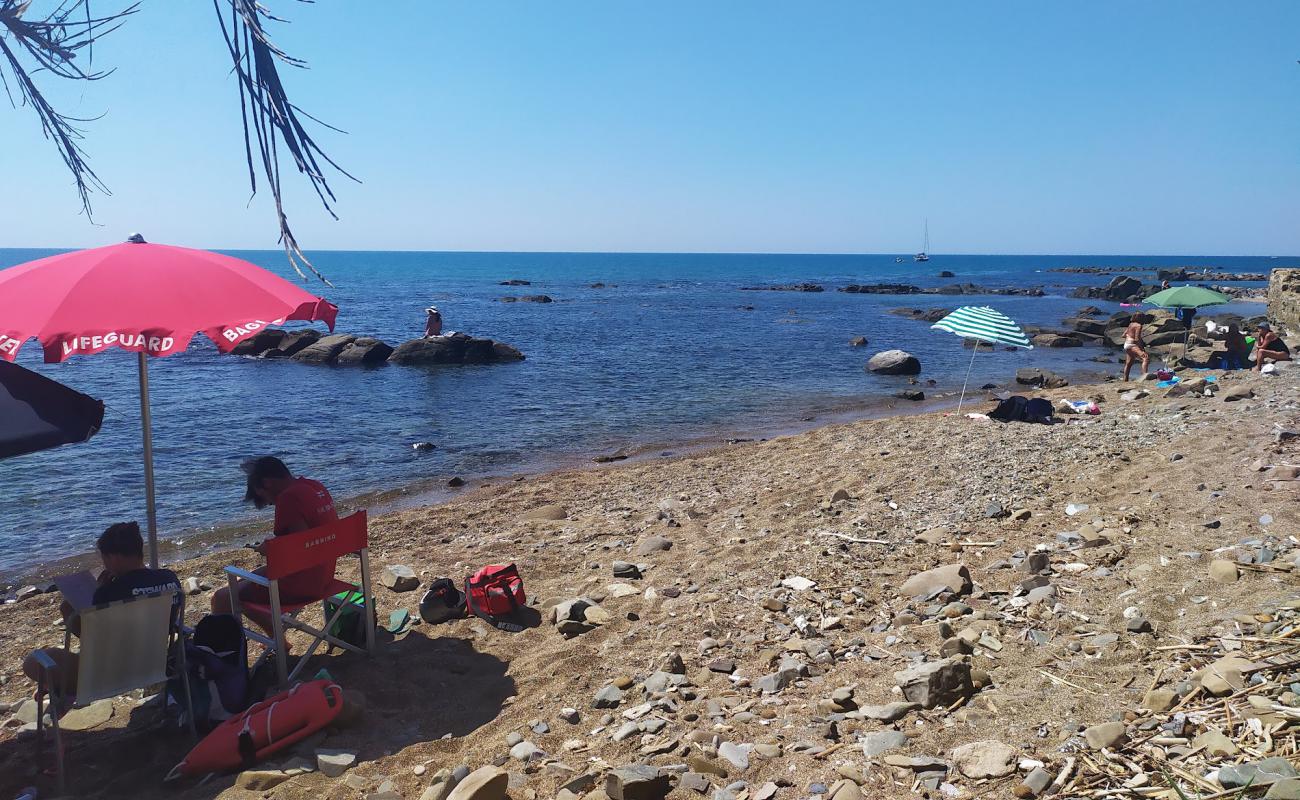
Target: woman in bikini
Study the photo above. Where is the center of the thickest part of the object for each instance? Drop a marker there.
(1269, 347)
(1134, 349)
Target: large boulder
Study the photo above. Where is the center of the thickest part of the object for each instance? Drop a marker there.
(894, 362)
(365, 351)
(325, 349)
(293, 343)
(1090, 326)
(1055, 340)
(953, 578)
(260, 342)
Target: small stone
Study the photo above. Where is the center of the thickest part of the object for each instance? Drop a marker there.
(192, 586)
(637, 782)
(399, 578)
(608, 697)
(1034, 784)
(954, 578)
(332, 763)
(257, 780)
(988, 759)
(1107, 734)
(484, 783)
(1264, 772)
(83, 719)
(653, 544)
(695, 782)
(936, 683)
(547, 513)
(889, 712)
(1284, 789)
(526, 751)
(1216, 744)
(798, 583)
(881, 742)
(1159, 700)
(737, 754)
(1139, 624)
(723, 665)
(625, 569)
(1223, 571)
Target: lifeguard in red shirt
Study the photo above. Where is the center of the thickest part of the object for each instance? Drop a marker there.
(301, 504)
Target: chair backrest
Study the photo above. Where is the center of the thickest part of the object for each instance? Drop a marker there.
(124, 646)
(296, 552)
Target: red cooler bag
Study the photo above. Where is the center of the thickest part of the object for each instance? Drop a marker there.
(494, 592)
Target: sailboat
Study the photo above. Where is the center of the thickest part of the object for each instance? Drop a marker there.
(921, 256)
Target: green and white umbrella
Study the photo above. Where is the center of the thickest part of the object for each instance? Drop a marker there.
(983, 324)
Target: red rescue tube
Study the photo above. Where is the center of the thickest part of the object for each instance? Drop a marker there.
(269, 726)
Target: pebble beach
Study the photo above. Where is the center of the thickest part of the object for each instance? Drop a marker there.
(916, 606)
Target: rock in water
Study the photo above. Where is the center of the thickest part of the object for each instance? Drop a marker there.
(325, 349)
(894, 362)
(637, 782)
(858, 341)
(399, 578)
(1042, 378)
(484, 783)
(954, 578)
(456, 348)
(365, 351)
(937, 683)
(990, 759)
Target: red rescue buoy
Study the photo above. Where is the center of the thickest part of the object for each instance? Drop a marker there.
(263, 729)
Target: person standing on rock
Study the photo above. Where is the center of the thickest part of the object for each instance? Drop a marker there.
(1134, 348)
(433, 323)
(301, 504)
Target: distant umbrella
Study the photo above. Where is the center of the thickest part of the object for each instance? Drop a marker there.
(982, 324)
(1187, 297)
(37, 413)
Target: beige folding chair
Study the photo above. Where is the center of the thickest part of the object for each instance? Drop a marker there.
(125, 645)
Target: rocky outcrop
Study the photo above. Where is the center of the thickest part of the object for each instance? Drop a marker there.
(529, 298)
(950, 289)
(1040, 378)
(790, 287)
(922, 314)
(349, 350)
(1284, 299)
(1121, 289)
(457, 348)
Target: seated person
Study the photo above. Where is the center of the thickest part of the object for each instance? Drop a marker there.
(1237, 348)
(121, 549)
(1269, 347)
(300, 505)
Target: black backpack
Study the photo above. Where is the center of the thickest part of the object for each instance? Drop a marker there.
(442, 603)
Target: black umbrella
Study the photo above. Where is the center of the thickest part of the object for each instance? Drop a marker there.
(37, 413)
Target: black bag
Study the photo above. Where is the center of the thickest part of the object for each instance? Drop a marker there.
(442, 603)
(1011, 409)
(217, 658)
(1039, 410)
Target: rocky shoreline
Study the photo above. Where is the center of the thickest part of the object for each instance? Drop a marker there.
(310, 346)
(849, 613)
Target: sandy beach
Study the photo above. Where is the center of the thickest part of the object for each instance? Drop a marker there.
(1171, 485)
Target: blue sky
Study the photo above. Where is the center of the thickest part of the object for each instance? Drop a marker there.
(1015, 127)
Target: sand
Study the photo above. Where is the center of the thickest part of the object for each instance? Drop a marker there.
(1152, 473)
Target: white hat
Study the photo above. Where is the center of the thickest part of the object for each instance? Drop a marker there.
(431, 310)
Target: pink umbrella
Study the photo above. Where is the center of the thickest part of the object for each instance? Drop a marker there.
(149, 299)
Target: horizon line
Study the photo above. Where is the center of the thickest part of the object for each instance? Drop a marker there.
(703, 252)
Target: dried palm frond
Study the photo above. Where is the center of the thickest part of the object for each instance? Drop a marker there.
(52, 44)
(270, 119)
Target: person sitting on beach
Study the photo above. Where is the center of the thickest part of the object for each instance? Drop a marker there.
(1134, 348)
(1269, 347)
(300, 505)
(1237, 348)
(121, 549)
(432, 324)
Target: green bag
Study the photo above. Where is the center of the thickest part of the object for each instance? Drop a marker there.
(350, 626)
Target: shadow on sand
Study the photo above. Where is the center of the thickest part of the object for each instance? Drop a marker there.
(416, 689)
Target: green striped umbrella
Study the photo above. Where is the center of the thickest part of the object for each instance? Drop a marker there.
(982, 324)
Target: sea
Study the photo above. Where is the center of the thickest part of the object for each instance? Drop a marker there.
(668, 353)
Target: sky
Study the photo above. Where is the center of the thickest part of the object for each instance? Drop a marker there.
(1160, 127)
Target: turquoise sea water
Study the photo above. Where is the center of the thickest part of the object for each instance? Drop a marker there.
(664, 353)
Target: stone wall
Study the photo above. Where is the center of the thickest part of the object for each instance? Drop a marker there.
(1284, 300)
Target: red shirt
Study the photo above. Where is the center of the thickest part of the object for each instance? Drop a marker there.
(303, 505)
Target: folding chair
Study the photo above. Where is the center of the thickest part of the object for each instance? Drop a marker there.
(125, 645)
(293, 553)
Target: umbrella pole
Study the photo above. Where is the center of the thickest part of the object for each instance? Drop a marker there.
(974, 350)
(146, 425)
